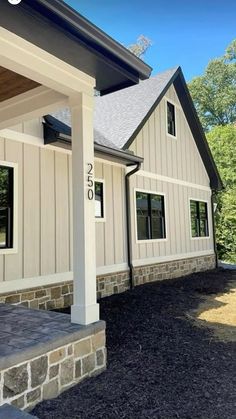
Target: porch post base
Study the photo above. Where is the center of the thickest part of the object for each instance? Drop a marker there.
(85, 314)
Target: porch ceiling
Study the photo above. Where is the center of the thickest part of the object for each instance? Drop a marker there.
(13, 84)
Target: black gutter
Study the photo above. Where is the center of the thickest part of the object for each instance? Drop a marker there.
(128, 223)
(128, 158)
(57, 133)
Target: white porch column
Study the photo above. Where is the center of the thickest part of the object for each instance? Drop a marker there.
(85, 309)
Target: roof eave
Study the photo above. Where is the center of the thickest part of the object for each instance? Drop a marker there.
(197, 131)
(79, 23)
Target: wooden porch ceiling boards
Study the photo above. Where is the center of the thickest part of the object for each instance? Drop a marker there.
(13, 84)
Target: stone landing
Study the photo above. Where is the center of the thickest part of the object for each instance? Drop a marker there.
(42, 354)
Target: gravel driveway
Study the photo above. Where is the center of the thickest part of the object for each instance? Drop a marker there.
(161, 364)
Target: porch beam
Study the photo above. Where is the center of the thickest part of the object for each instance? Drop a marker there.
(32, 62)
(85, 309)
(30, 105)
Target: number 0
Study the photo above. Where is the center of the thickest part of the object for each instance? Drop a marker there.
(90, 194)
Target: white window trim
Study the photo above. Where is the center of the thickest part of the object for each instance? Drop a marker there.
(176, 128)
(190, 224)
(14, 249)
(101, 219)
(176, 104)
(135, 217)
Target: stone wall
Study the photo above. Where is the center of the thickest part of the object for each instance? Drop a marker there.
(61, 295)
(47, 297)
(46, 376)
(173, 269)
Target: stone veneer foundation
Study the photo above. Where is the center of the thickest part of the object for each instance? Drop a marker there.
(59, 356)
(61, 295)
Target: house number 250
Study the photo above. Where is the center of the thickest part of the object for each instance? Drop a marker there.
(90, 182)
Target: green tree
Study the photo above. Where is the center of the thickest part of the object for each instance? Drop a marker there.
(230, 53)
(222, 141)
(214, 92)
(141, 46)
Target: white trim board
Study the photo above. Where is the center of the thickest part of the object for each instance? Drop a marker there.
(21, 137)
(14, 249)
(190, 219)
(162, 178)
(165, 239)
(110, 269)
(40, 281)
(172, 258)
(47, 280)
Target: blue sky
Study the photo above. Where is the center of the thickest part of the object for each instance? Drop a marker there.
(184, 32)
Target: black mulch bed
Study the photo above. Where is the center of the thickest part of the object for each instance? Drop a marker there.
(160, 364)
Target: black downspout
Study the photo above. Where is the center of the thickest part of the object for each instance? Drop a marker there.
(128, 223)
(214, 228)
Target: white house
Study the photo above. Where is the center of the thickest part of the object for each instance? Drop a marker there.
(154, 178)
(108, 199)
(50, 58)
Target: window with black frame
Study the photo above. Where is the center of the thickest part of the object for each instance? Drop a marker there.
(171, 128)
(99, 204)
(6, 207)
(150, 216)
(199, 219)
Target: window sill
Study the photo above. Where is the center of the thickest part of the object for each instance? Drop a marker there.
(8, 251)
(100, 220)
(174, 137)
(201, 238)
(151, 241)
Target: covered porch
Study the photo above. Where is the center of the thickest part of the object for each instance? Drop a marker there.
(50, 57)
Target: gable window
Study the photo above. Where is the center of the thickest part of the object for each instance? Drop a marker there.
(150, 216)
(171, 125)
(99, 200)
(6, 207)
(199, 219)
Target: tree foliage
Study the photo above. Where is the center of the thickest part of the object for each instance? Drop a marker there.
(141, 46)
(222, 141)
(230, 53)
(214, 92)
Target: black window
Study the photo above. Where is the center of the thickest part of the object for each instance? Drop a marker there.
(99, 207)
(171, 119)
(199, 219)
(6, 207)
(150, 216)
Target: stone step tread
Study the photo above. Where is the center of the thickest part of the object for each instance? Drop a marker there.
(11, 412)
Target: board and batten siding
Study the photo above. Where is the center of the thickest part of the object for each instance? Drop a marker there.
(177, 219)
(177, 158)
(177, 163)
(45, 213)
(111, 248)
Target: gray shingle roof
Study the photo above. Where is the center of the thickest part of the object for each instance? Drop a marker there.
(118, 114)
